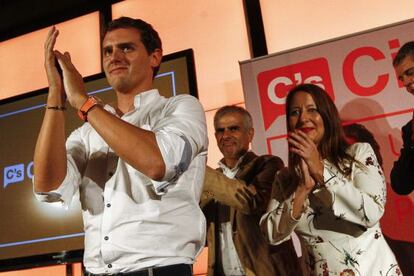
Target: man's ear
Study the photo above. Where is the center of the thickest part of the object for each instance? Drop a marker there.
(156, 57)
(251, 134)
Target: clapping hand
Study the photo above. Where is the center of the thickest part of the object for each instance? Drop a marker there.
(307, 150)
(56, 90)
(71, 84)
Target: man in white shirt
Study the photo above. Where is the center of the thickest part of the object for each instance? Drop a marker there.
(234, 198)
(138, 164)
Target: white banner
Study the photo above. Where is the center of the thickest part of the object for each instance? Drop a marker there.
(357, 72)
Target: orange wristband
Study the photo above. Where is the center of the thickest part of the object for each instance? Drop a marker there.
(90, 103)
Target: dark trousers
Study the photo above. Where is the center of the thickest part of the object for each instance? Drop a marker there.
(169, 270)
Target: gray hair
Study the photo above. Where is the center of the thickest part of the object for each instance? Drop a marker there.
(228, 109)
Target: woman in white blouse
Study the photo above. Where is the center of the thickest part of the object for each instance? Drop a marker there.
(332, 194)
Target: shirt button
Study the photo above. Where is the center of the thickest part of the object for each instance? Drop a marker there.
(108, 205)
(106, 238)
(109, 266)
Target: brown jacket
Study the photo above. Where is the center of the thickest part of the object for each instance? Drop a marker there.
(247, 196)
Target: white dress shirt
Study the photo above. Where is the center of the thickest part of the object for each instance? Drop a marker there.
(130, 221)
(230, 259)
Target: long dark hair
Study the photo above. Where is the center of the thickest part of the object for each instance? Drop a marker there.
(360, 133)
(333, 145)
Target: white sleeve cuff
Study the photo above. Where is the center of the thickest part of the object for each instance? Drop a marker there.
(177, 153)
(65, 192)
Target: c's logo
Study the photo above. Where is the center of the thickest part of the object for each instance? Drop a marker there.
(16, 173)
(275, 84)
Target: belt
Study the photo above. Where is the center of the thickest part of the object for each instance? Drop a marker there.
(168, 270)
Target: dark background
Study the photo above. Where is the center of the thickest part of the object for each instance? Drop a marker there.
(18, 17)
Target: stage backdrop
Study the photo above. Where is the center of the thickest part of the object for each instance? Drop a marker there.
(357, 72)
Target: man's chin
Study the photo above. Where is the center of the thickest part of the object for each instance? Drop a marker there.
(232, 154)
(120, 86)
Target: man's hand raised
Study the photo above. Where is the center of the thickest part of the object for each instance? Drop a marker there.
(56, 91)
(72, 80)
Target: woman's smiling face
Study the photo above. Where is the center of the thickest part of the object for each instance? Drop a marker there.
(304, 115)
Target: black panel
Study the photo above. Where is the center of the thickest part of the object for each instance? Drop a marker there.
(18, 17)
(255, 28)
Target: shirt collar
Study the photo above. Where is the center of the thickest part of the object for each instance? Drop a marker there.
(140, 99)
(145, 97)
(225, 168)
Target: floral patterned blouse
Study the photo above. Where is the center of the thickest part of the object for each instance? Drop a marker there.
(340, 221)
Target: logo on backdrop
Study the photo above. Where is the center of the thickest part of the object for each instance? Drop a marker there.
(275, 84)
(16, 173)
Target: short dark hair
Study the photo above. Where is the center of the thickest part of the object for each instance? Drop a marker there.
(247, 118)
(406, 50)
(149, 36)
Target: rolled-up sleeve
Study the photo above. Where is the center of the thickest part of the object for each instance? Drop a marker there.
(181, 134)
(69, 186)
